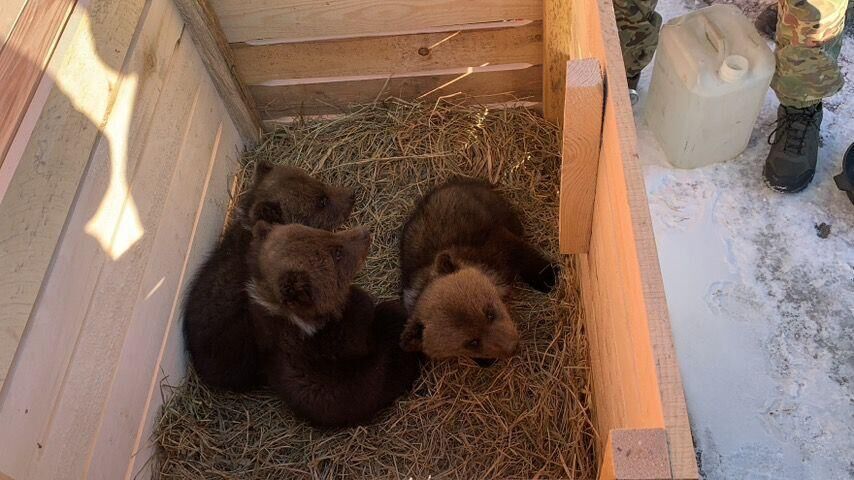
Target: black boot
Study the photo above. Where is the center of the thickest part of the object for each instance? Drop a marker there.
(794, 152)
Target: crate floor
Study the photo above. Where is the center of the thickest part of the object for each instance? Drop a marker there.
(524, 418)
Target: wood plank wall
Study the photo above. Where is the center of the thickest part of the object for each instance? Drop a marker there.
(148, 200)
(636, 376)
(300, 57)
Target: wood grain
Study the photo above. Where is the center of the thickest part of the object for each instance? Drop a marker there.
(23, 58)
(581, 140)
(65, 133)
(325, 98)
(635, 374)
(393, 55)
(296, 20)
(558, 40)
(639, 454)
(216, 54)
(9, 12)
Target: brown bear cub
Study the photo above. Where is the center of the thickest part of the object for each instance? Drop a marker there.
(327, 351)
(460, 250)
(217, 327)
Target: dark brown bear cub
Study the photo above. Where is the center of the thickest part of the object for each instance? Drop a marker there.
(217, 329)
(331, 355)
(460, 250)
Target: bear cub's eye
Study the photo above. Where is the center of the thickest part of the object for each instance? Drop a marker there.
(337, 254)
(322, 201)
(490, 314)
(473, 344)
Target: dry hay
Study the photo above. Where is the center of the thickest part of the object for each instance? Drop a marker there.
(526, 418)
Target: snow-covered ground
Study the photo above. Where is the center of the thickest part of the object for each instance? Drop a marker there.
(761, 293)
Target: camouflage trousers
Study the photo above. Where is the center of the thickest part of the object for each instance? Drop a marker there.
(809, 38)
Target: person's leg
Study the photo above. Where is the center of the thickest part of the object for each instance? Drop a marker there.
(638, 25)
(809, 38)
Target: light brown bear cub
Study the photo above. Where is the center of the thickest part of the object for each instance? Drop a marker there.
(327, 351)
(217, 329)
(460, 250)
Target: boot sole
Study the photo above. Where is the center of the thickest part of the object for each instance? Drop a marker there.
(798, 187)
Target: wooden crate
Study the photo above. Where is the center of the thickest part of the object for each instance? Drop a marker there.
(148, 102)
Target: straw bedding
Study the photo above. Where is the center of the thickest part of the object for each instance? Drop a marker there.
(525, 418)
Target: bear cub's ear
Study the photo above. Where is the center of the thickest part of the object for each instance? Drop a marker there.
(412, 336)
(262, 168)
(445, 263)
(295, 287)
(261, 229)
(268, 211)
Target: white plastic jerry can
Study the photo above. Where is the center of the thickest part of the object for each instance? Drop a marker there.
(712, 72)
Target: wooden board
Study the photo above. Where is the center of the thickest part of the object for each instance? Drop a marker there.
(559, 40)
(323, 98)
(216, 55)
(580, 145)
(75, 400)
(9, 12)
(394, 55)
(300, 20)
(65, 133)
(639, 454)
(635, 374)
(23, 58)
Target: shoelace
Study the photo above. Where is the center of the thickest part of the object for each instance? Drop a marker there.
(794, 125)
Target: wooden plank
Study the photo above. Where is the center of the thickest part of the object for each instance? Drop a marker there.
(35, 381)
(639, 454)
(9, 12)
(558, 40)
(581, 138)
(23, 58)
(295, 20)
(217, 57)
(159, 296)
(621, 279)
(69, 438)
(65, 133)
(387, 56)
(171, 362)
(324, 98)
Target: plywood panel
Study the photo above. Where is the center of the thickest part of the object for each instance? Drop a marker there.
(321, 98)
(171, 362)
(65, 133)
(23, 58)
(386, 56)
(158, 298)
(108, 313)
(294, 20)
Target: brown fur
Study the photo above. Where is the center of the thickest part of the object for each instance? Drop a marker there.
(217, 329)
(328, 352)
(460, 250)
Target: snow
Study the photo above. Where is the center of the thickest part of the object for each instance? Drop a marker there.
(762, 307)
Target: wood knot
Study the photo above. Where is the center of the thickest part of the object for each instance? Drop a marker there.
(423, 51)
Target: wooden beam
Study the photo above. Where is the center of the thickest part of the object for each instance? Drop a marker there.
(23, 59)
(557, 43)
(219, 62)
(636, 455)
(334, 97)
(391, 55)
(301, 20)
(582, 138)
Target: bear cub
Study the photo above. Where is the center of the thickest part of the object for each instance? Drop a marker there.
(217, 327)
(328, 352)
(461, 249)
